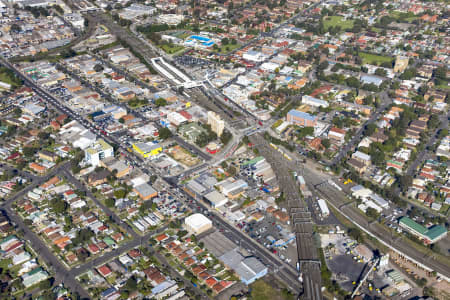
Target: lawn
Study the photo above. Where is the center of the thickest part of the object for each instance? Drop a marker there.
(183, 35)
(403, 17)
(224, 49)
(4, 263)
(337, 21)
(374, 59)
(443, 87)
(7, 76)
(171, 49)
(263, 291)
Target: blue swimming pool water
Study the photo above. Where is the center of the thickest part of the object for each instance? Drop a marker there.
(200, 38)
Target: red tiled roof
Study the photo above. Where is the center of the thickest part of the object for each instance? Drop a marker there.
(104, 270)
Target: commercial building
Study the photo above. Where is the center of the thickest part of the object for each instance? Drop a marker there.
(229, 186)
(145, 191)
(249, 269)
(254, 56)
(428, 235)
(33, 109)
(197, 223)
(360, 192)
(314, 101)
(301, 118)
(135, 11)
(216, 199)
(176, 118)
(147, 150)
(401, 63)
(121, 169)
(170, 19)
(98, 151)
(216, 123)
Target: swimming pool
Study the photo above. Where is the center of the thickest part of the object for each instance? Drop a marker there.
(200, 38)
(194, 40)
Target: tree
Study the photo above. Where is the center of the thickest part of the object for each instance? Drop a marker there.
(120, 193)
(326, 143)
(28, 151)
(370, 129)
(405, 182)
(353, 82)
(434, 121)
(372, 213)
(305, 131)
(232, 170)
(43, 135)
(110, 202)
(356, 234)
(225, 137)
(68, 53)
(82, 236)
(16, 27)
(164, 133)
(422, 282)
(380, 72)
(17, 112)
(409, 74)
(58, 205)
(322, 66)
(131, 284)
(160, 102)
(98, 68)
(442, 133)
(441, 72)
(45, 285)
(58, 8)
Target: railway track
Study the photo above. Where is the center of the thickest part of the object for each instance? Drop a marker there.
(308, 258)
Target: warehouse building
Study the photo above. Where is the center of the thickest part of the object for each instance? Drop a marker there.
(216, 199)
(428, 235)
(147, 150)
(249, 269)
(197, 223)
